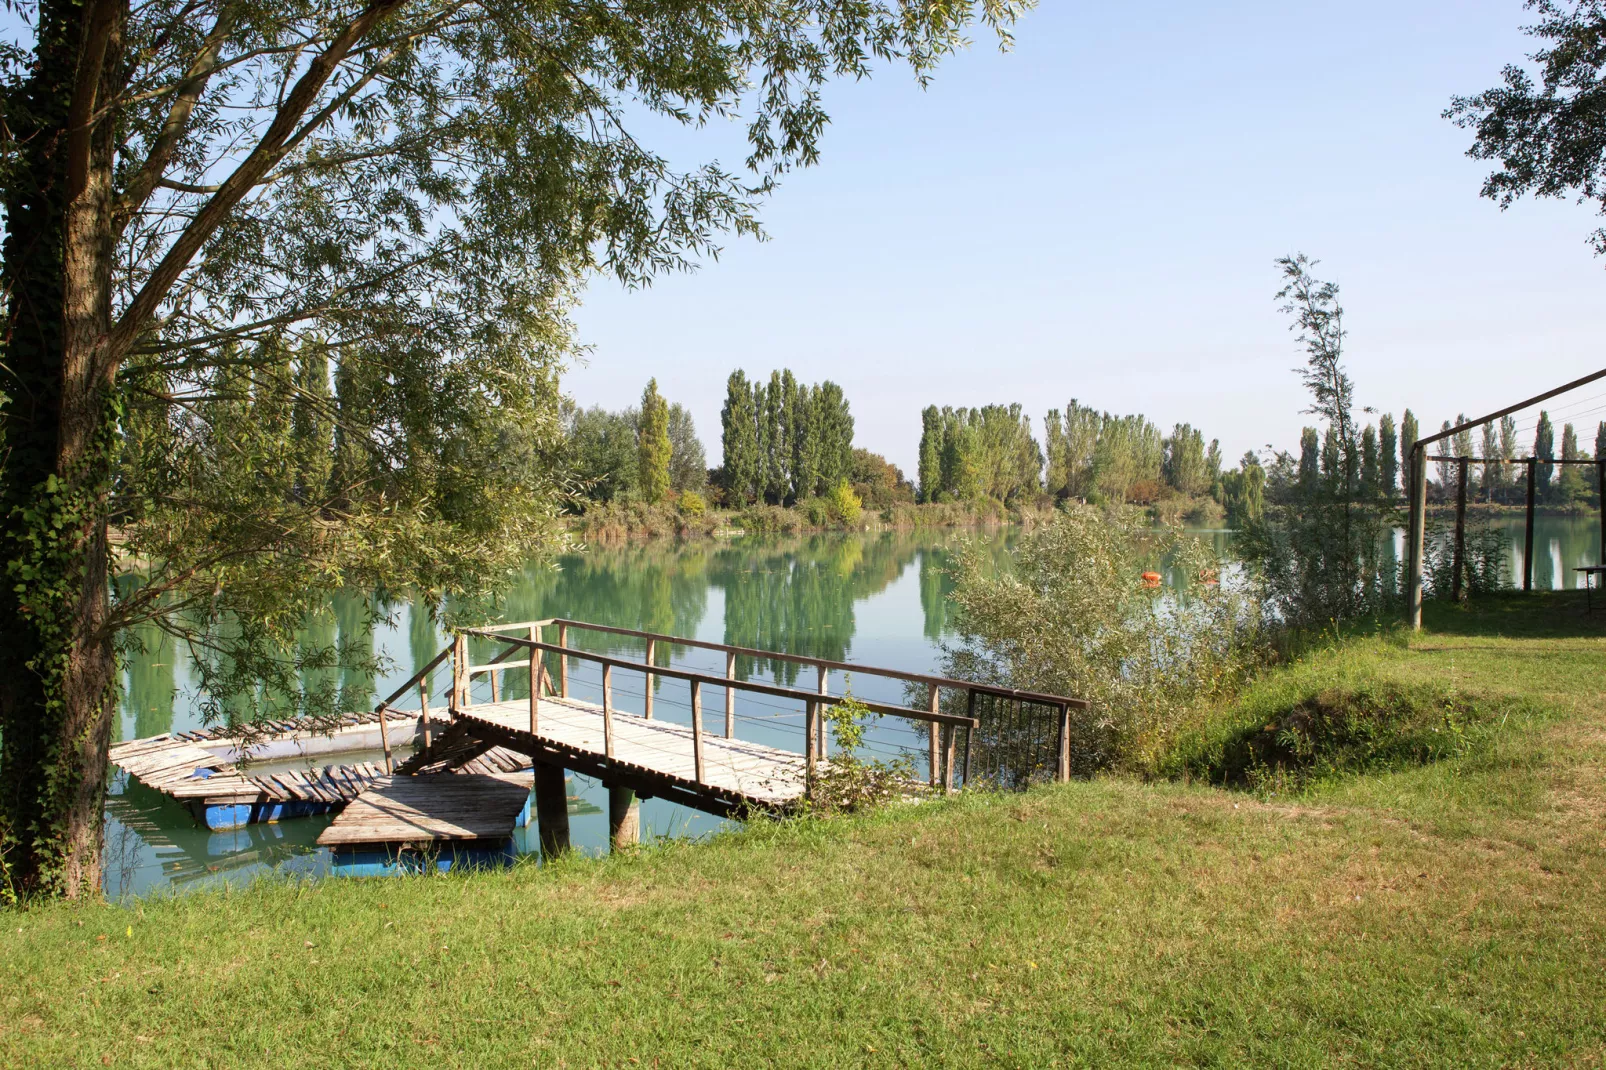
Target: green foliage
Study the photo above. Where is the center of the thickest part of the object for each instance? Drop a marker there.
(1485, 566)
(652, 445)
(601, 454)
(878, 482)
(1243, 492)
(1073, 618)
(986, 452)
(844, 505)
(1545, 450)
(690, 503)
(930, 473)
(1185, 467)
(1549, 139)
(784, 442)
(848, 782)
(688, 468)
(1388, 447)
(1317, 551)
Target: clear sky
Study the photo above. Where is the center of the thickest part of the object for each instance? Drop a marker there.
(1096, 215)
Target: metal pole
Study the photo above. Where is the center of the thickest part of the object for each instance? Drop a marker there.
(1460, 559)
(1528, 533)
(1415, 534)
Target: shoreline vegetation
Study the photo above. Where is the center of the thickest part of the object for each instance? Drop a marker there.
(617, 521)
(1375, 852)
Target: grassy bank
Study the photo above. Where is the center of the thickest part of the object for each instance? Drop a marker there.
(619, 521)
(1435, 908)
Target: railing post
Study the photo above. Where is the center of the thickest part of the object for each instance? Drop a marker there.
(423, 709)
(1415, 537)
(934, 760)
(810, 712)
(730, 694)
(1459, 558)
(535, 680)
(563, 661)
(463, 687)
(822, 677)
(607, 708)
(697, 728)
(1528, 532)
(384, 737)
(1065, 743)
(652, 647)
(496, 691)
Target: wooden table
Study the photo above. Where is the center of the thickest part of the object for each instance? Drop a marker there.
(1588, 571)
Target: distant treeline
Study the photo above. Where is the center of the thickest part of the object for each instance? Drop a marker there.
(990, 452)
(613, 456)
(784, 441)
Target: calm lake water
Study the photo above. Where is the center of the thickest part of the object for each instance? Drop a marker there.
(877, 599)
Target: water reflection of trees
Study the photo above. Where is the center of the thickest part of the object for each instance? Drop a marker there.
(797, 596)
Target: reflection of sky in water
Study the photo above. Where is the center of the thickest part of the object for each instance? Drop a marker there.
(876, 599)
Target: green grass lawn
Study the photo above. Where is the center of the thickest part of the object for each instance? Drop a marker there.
(1449, 913)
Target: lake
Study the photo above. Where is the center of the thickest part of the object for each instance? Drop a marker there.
(878, 599)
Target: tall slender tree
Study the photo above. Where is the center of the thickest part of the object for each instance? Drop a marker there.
(930, 472)
(1388, 448)
(1408, 437)
(652, 445)
(1492, 470)
(1545, 450)
(741, 465)
(1371, 479)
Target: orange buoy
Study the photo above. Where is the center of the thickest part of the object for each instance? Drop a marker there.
(1151, 579)
(1209, 577)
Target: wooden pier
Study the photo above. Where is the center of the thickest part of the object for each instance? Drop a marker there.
(393, 807)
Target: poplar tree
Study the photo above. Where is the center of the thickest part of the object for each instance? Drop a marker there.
(806, 440)
(1310, 464)
(652, 445)
(424, 185)
(1545, 450)
(313, 425)
(930, 473)
(1570, 481)
(739, 438)
(1492, 472)
(1370, 477)
(1408, 437)
(1388, 456)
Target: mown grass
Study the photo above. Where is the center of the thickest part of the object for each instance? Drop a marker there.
(1447, 913)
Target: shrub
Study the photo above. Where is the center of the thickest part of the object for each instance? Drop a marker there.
(844, 505)
(848, 782)
(1073, 618)
(691, 504)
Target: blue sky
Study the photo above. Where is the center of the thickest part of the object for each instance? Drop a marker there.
(1096, 215)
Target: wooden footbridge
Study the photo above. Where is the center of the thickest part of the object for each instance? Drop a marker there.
(693, 757)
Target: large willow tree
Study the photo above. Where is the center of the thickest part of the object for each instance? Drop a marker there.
(210, 204)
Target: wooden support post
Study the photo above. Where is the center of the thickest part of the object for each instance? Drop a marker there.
(496, 691)
(462, 686)
(423, 709)
(624, 818)
(384, 738)
(652, 648)
(1528, 531)
(563, 661)
(552, 809)
(1418, 497)
(822, 678)
(1600, 491)
(607, 709)
(811, 711)
(535, 681)
(697, 728)
(1065, 744)
(1459, 559)
(934, 733)
(970, 733)
(730, 695)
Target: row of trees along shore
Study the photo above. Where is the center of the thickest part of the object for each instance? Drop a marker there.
(784, 441)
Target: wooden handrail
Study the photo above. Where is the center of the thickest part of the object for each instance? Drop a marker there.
(770, 690)
(833, 666)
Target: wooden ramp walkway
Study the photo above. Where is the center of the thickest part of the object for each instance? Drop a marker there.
(652, 757)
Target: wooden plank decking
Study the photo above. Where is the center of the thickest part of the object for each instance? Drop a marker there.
(432, 808)
(657, 754)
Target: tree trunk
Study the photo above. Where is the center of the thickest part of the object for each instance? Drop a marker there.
(59, 422)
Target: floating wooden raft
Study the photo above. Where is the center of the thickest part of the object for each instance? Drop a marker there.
(222, 796)
(431, 808)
